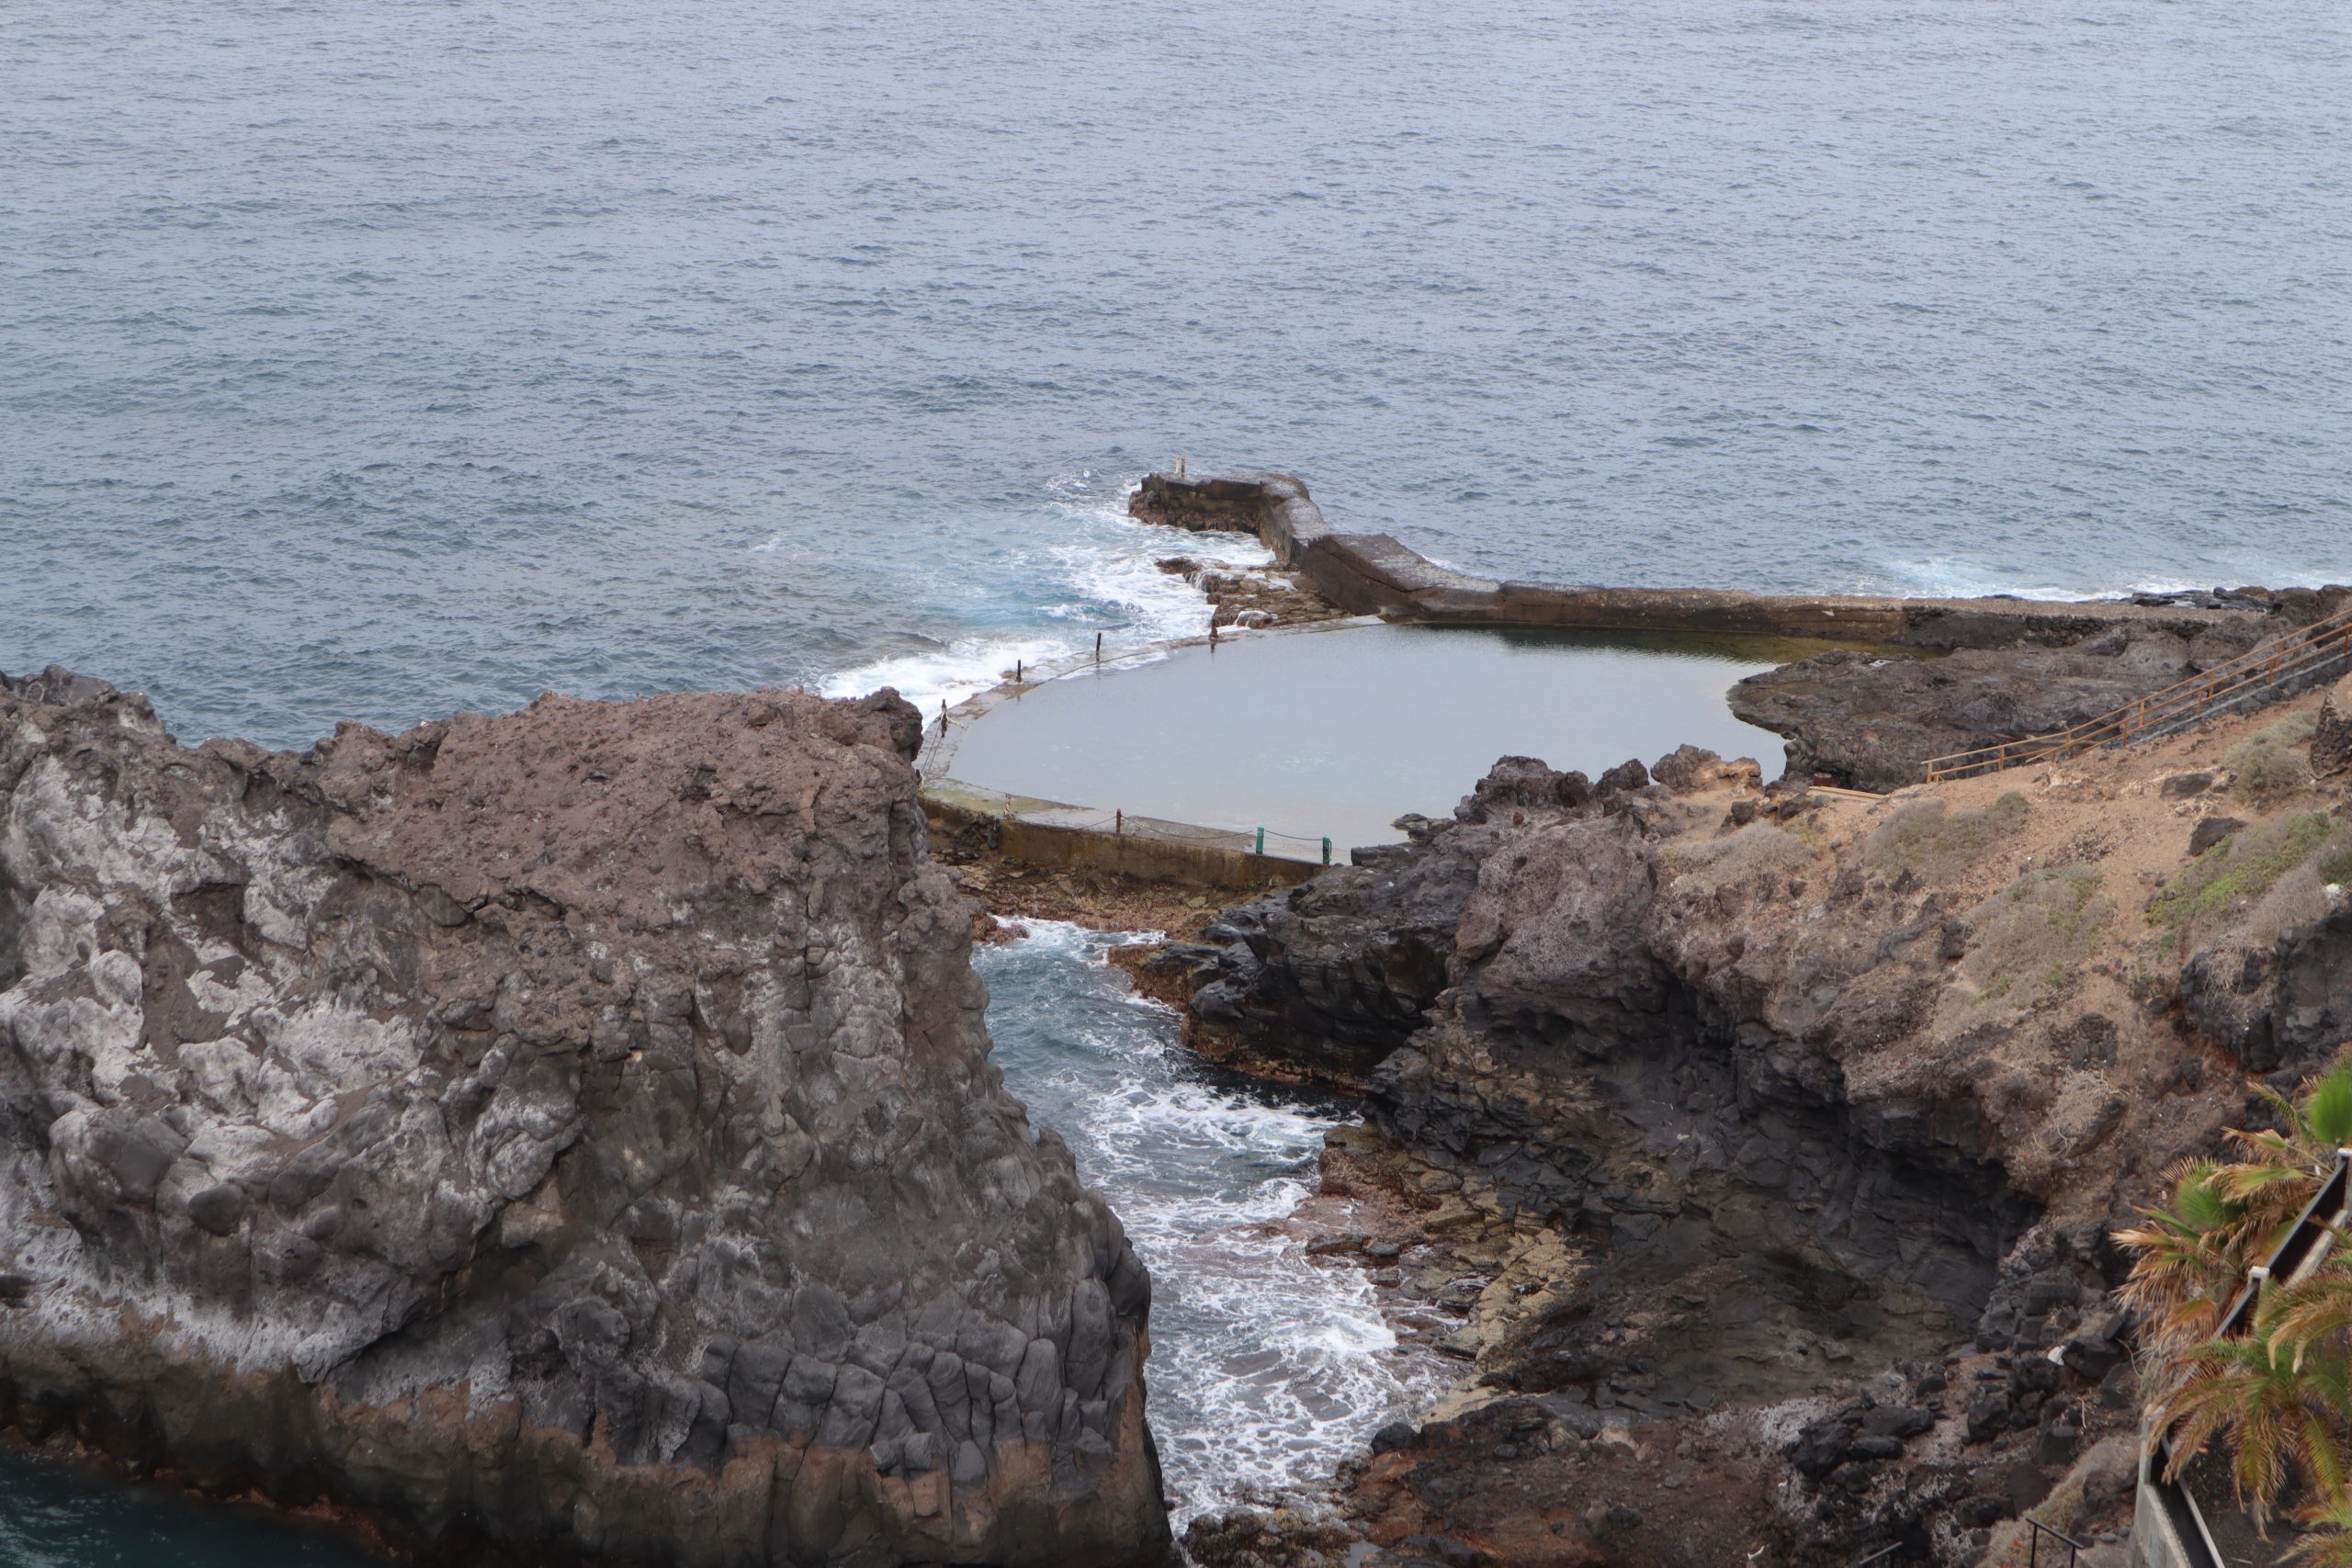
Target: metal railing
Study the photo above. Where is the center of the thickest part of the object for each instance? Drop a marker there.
(2296, 1254)
(2226, 686)
(2035, 1530)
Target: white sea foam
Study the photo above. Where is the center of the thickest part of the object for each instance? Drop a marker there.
(1949, 577)
(1268, 1368)
(1100, 576)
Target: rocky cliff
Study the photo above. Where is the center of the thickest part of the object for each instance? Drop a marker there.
(563, 1135)
(1813, 1115)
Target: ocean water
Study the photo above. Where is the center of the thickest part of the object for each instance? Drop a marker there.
(60, 1513)
(364, 361)
(374, 361)
(1267, 1368)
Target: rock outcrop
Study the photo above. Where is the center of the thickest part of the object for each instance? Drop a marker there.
(1823, 1111)
(1871, 720)
(563, 1135)
(2332, 733)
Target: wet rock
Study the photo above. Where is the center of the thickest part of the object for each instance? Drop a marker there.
(1333, 1245)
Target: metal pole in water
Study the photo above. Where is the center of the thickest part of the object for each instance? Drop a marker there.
(1016, 671)
(1098, 647)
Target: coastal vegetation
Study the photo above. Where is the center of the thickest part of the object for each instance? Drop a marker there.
(2268, 763)
(2242, 867)
(1931, 842)
(2269, 1390)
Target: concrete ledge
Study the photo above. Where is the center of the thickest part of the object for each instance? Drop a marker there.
(1375, 574)
(1144, 854)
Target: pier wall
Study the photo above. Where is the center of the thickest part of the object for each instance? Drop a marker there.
(1141, 855)
(1374, 574)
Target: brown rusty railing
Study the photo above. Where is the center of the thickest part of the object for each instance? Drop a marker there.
(2217, 691)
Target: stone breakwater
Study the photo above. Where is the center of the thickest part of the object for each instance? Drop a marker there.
(2002, 668)
(561, 1136)
(1376, 574)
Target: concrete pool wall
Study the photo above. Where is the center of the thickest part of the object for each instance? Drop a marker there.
(1380, 579)
(1375, 574)
(1336, 733)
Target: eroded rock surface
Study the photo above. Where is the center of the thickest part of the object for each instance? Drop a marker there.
(1871, 720)
(1796, 1128)
(567, 1133)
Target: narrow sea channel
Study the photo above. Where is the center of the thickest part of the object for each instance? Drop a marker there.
(1267, 1369)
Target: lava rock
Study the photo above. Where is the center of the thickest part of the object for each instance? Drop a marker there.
(571, 1131)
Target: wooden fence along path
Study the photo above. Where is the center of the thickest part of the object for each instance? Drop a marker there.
(2270, 670)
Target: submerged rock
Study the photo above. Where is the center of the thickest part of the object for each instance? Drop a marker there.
(567, 1133)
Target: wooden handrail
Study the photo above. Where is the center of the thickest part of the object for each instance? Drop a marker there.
(2267, 663)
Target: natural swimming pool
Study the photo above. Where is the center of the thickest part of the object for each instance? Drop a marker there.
(1340, 731)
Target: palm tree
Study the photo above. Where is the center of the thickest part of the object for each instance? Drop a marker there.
(2278, 1395)
(2280, 1410)
(2284, 1166)
(2191, 1256)
(2328, 1540)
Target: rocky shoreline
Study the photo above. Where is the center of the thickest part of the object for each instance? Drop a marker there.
(500, 1130)
(1787, 1129)
(1831, 1107)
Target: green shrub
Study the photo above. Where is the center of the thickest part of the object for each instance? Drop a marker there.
(1924, 837)
(2027, 942)
(2240, 869)
(2266, 763)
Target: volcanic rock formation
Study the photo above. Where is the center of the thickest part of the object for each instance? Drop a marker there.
(562, 1135)
(1871, 720)
(1818, 1115)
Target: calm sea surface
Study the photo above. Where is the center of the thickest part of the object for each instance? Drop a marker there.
(377, 360)
(364, 361)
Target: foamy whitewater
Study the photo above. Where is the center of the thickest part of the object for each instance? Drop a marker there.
(378, 361)
(1268, 1368)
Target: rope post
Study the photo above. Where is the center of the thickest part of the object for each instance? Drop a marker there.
(943, 716)
(1098, 647)
(1212, 628)
(1017, 667)
(1119, 822)
(1261, 840)
(1327, 848)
